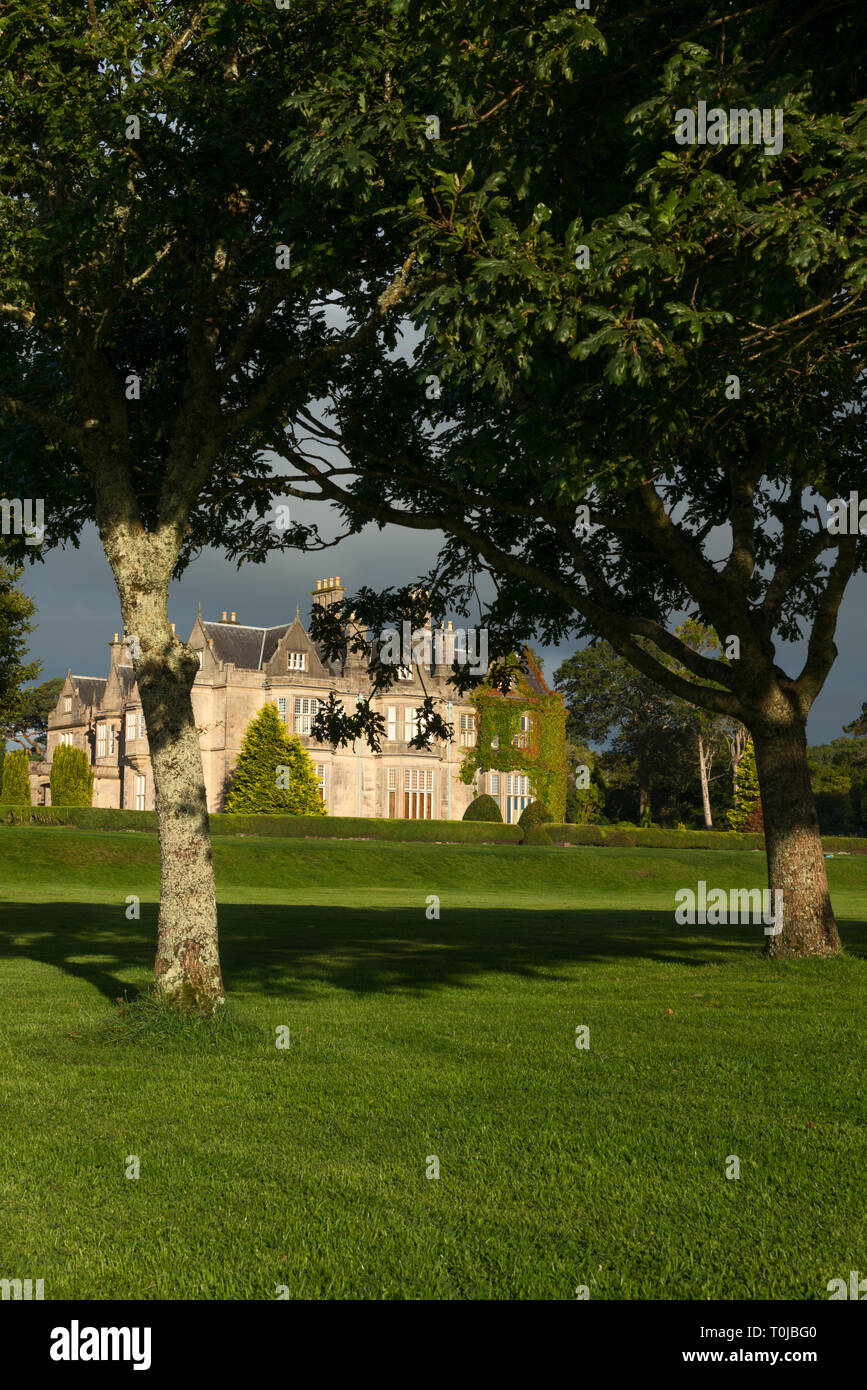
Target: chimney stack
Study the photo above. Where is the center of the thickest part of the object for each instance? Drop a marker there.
(225, 617)
(328, 591)
(234, 619)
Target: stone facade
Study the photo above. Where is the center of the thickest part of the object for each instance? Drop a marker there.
(243, 667)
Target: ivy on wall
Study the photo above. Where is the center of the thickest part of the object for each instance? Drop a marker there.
(542, 757)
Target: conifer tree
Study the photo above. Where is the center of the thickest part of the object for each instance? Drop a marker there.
(71, 777)
(746, 814)
(16, 779)
(273, 774)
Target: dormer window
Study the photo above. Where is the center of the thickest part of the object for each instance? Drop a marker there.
(297, 661)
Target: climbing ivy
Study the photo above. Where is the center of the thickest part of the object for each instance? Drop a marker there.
(498, 721)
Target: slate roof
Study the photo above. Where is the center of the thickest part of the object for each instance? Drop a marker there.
(89, 689)
(247, 647)
(534, 677)
(126, 676)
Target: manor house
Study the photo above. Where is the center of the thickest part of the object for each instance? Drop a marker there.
(241, 668)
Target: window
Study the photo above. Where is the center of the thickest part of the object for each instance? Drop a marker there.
(518, 789)
(130, 725)
(66, 740)
(320, 780)
(391, 723)
(281, 706)
(141, 724)
(418, 793)
(305, 713)
(297, 661)
(139, 793)
(410, 723)
(468, 730)
(404, 673)
(112, 739)
(495, 784)
(201, 658)
(100, 740)
(495, 742)
(391, 808)
(67, 704)
(520, 740)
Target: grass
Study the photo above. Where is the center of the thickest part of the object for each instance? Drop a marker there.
(412, 1037)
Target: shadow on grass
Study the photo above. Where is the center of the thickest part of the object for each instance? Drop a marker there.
(291, 950)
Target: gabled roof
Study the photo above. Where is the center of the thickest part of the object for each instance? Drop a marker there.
(247, 647)
(89, 689)
(533, 675)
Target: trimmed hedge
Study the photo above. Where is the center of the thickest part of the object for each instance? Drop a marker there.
(363, 828)
(83, 817)
(534, 813)
(652, 837)
(452, 832)
(283, 827)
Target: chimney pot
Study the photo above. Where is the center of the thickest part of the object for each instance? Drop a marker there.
(234, 619)
(318, 585)
(224, 617)
(337, 579)
(115, 637)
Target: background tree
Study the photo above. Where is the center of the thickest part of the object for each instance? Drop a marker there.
(16, 610)
(71, 779)
(608, 701)
(26, 720)
(273, 774)
(15, 790)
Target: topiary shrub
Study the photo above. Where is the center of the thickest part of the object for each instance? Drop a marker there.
(16, 779)
(619, 838)
(536, 835)
(483, 808)
(274, 774)
(71, 777)
(536, 813)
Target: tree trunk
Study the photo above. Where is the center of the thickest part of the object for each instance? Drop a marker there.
(796, 862)
(704, 768)
(187, 966)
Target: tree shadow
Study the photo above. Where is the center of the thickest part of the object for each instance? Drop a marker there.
(292, 950)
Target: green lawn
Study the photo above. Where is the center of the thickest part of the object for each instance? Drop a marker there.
(413, 1037)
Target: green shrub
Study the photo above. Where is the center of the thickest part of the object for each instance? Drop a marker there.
(537, 835)
(16, 779)
(483, 808)
(71, 777)
(273, 775)
(535, 813)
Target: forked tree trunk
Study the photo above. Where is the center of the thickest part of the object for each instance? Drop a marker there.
(796, 861)
(187, 966)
